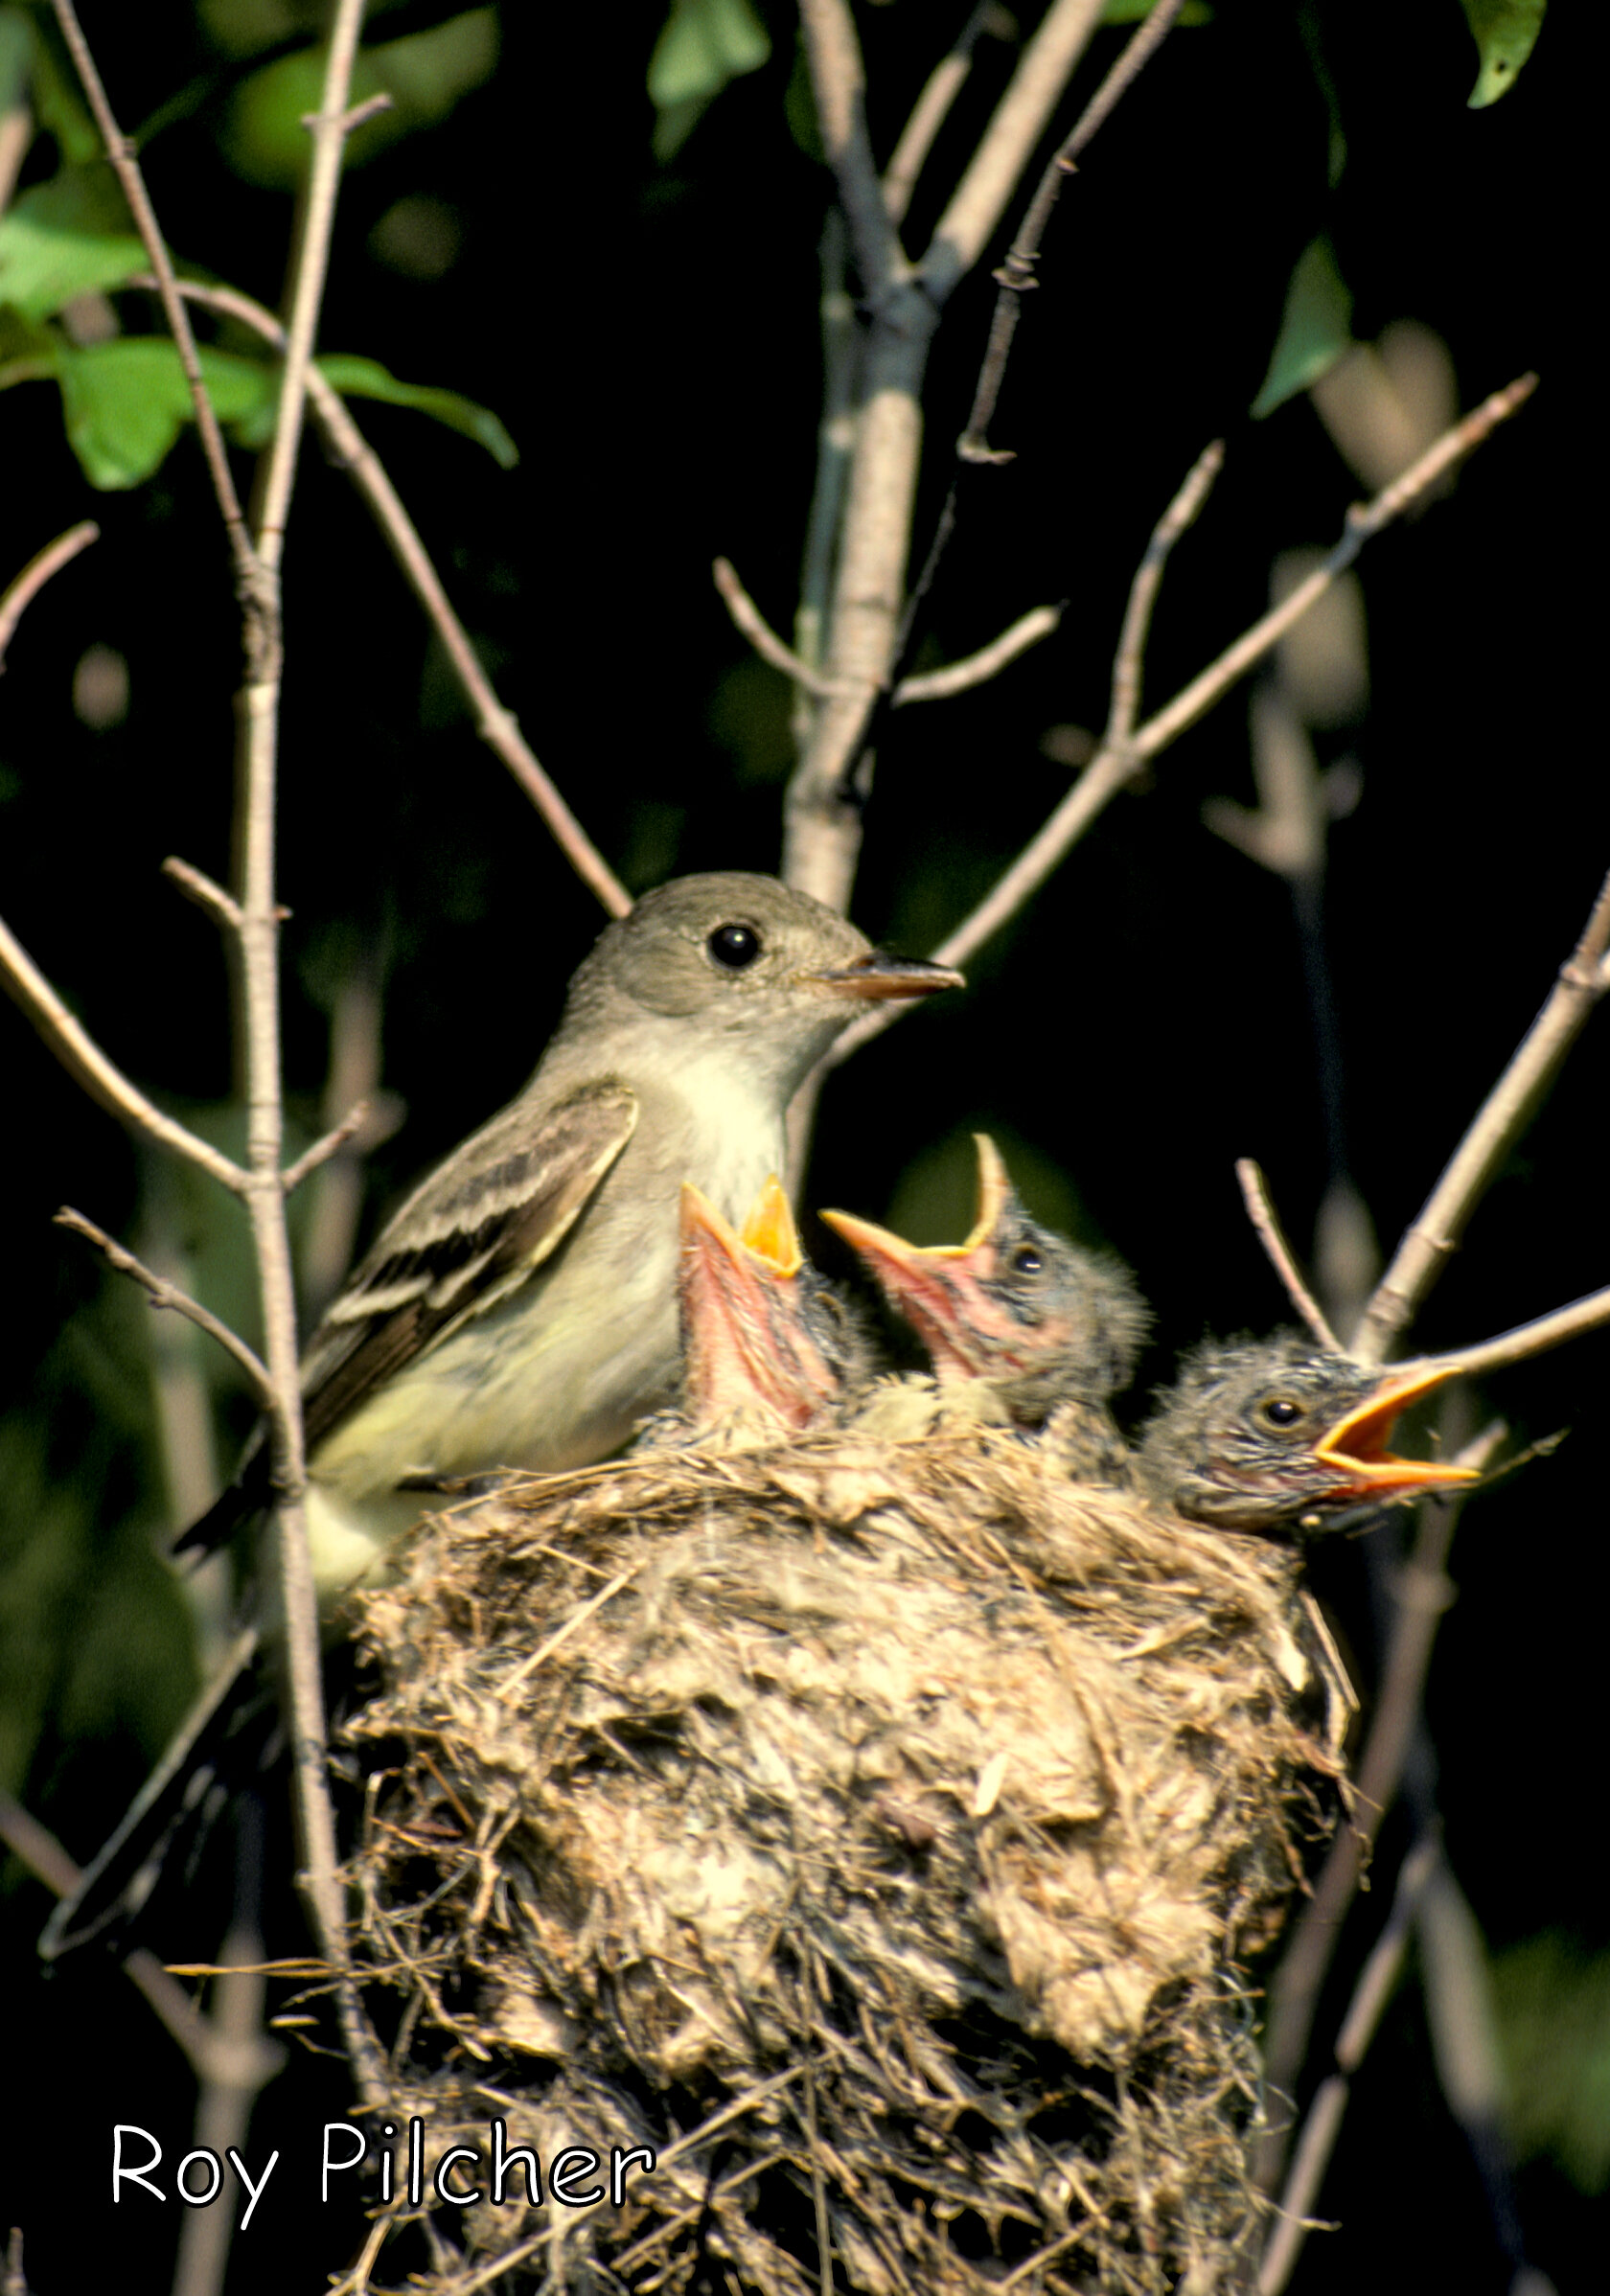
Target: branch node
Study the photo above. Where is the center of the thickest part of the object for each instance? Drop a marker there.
(200, 888)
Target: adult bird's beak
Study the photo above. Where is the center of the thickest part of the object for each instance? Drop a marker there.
(1356, 1444)
(939, 1287)
(879, 975)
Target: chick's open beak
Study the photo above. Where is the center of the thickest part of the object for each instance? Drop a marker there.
(1356, 1444)
(939, 1287)
(877, 976)
(743, 1340)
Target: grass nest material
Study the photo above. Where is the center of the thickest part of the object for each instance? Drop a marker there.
(875, 1831)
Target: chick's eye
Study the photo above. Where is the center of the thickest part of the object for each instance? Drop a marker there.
(1027, 1261)
(1280, 1412)
(734, 947)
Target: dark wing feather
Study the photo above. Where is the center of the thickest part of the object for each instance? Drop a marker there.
(470, 1236)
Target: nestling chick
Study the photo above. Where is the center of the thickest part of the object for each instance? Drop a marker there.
(1278, 1434)
(1035, 1326)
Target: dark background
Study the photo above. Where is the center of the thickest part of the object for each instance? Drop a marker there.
(648, 334)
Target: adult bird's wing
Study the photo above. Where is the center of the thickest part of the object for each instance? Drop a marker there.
(472, 1235)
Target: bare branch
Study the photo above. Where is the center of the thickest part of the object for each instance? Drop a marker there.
(972, 215)
(1314, 2145)
(39, 1850)
(322, 1150)
(870, 634)
(974, 669)
(1363, 521)
(750, 623)
(1254, 1194)
(126, 167)
(1544, 1332)
(356, 114)
(1021, 117)
(309, 262)
(83, 1058)
(496, 726)
(21, 594)
(200, 888)
(1435, 1233)
(164, 1294)
(943, 85)
(934, 686)
(841, 348)
(839, 79)
(1181, 514)
(1117, 763)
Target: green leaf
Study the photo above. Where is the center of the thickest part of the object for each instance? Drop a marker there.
(366, 378)
(702, 44)
(34, 70)
(424, 75)
(1315, 329)
(1503, 32)
(1130, 12)
(125, 403)
(69, 237)
(16, 58)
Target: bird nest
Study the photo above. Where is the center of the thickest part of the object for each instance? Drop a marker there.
(874, 1832)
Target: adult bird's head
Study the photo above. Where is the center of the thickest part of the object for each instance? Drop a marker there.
(1267, 1435)
(1015, 1302)
(762, 1332)
(744, 969)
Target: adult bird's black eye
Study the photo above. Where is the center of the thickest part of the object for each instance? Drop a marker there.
(1280, 1412)
(1027, 1261)
(735, 946)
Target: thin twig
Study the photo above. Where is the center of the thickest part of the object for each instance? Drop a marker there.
(840, 83)
(750, 623)
(164, 1294)
(958, 227)
(974, 669)
(1422, 1594)
(39, 1850)
(496, 725)
(322, 1150)
(83, 1058)
(934, 686)
(19, 595)
(257, 565)
(1181, 514)
(259, 942)
(1293, 2220)
(120, 150)
(943, 85)
(1363, 521)
(1435, 1233)
(1260, 1211)
(1537, 1338)
(1020, 118)
(199, 887)
(329, 128)
(1115, 764)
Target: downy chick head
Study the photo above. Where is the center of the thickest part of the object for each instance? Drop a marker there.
(1015, 1304)
(1279, 1435)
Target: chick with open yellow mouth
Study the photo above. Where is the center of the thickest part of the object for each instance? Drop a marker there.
(1277, 1434)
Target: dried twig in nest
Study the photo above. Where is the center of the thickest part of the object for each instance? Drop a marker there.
(873, 1832)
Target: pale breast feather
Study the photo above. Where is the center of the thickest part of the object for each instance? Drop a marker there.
(471, 1235)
